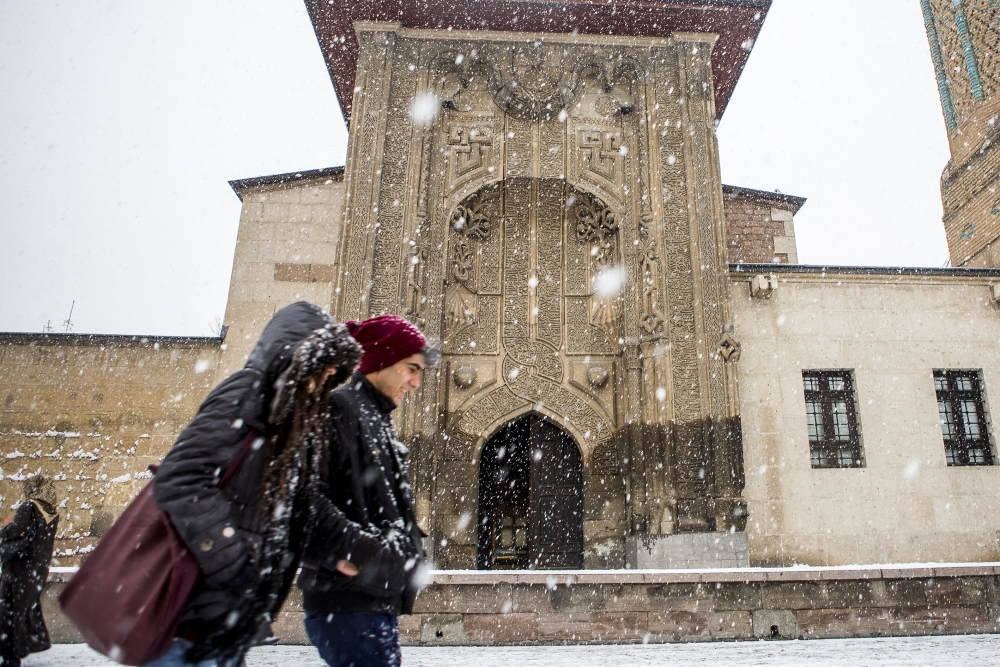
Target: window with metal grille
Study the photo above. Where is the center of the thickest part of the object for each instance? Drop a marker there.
(831, 417)
(963, 418)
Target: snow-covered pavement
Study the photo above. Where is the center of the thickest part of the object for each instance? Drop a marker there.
(957, 651)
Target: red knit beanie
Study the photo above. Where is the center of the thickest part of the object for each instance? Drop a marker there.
(386, 339)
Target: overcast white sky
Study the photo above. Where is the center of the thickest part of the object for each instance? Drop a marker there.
(121, 123)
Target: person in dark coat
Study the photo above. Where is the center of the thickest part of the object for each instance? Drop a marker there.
(25, 552)
(248, 538)
(352, 608)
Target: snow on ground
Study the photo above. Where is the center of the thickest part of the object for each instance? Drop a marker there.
(956, 651)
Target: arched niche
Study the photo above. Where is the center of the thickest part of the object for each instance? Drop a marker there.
(530, 498)
(539, 246)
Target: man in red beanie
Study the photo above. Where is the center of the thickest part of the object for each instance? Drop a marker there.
(351, 614)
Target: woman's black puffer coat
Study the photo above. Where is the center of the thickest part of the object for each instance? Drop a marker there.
(224, 528)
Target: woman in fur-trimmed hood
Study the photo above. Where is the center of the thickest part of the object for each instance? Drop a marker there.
(248, 538)
(25, 552)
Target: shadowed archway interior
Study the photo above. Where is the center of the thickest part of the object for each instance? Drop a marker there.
(530, 498)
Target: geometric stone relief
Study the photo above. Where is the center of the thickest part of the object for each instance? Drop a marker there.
(470, 146)
(600, 158)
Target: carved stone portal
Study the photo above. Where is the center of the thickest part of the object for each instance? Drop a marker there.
(555, 220)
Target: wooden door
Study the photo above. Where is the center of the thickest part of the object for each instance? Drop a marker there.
(556, 499)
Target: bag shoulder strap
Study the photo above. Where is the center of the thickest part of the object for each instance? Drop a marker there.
(234, 467)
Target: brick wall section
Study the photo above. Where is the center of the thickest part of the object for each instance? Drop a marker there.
(497, 608)
(750, 231)
(94, 412)
(750, 228)
(971, 197)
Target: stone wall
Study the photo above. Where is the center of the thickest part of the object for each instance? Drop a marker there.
(507, 608)
(94, 412)
(905, 504)
(286, 251)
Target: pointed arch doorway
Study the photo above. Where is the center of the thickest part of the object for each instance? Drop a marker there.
(530, 498)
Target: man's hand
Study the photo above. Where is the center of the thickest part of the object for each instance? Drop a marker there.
(347, 568)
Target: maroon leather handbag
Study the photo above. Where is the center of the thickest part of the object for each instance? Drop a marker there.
(129, 594)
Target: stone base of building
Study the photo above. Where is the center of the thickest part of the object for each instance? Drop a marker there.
(633, 606)
(687, 551)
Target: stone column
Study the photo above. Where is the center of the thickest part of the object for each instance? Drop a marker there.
(720, 465)
(363, 171)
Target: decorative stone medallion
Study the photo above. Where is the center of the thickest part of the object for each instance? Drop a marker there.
(597, 376)
(464, 377)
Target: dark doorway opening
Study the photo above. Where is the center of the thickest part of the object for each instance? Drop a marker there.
(530, 498)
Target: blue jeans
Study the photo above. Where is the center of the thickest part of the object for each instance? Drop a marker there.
(175, 658)
(355, 638)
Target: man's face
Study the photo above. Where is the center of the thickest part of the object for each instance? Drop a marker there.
(399, 378)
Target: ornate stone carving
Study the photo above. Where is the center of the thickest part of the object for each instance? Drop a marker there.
(387, 247)
(604, 460)
(652, 312)
(497, 403)
(729, 348)
(596, 226)
(460, 308)
(535, 81)
(594, 222)
(597, 376)
(546, 308)
(474, 240)
(355, 276)
(464, 377)
(552, 150)
(579, 157)
(470, 147)
(518, 143)
(602, 157)
(416, 281)
(677, 243)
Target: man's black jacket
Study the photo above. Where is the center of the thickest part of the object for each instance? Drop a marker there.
(223, 528)
(367, 480)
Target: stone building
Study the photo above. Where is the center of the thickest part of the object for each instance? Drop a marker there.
(637, 370)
